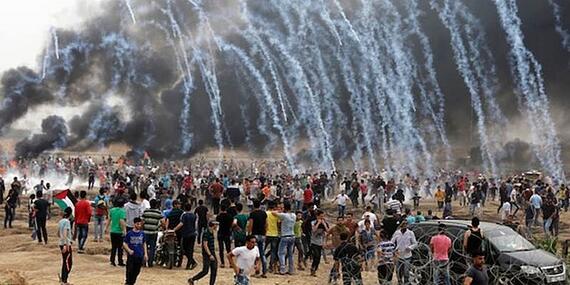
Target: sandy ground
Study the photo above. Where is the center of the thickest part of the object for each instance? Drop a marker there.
(23, 261)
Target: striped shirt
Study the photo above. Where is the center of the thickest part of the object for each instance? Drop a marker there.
(151, 219)
(387, 248)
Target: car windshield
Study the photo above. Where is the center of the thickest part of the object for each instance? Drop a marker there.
(507, 240)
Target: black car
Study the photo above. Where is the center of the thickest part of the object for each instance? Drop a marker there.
(509, 257)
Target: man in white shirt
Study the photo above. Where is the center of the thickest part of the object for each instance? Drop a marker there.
(505, 211)
(341, 203)
(298, 198)
(246, 260)
(405, 242)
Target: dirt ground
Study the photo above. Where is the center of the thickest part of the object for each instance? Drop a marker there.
(24, 261)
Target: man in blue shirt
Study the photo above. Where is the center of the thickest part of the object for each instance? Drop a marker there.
(135, 246)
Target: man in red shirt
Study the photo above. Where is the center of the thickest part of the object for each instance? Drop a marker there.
(440, 246)
(308, 196)
(216, 189)
(82, 217)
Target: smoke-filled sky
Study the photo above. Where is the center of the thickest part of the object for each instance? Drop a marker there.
(332, 80)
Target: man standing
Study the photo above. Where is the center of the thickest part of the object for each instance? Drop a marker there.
(82, 217)
(319, 228)
(440, 246)
(133, 210)
(225, 233)
(405, 242)
(188, 227)
(346, 255)
(64, 235)
(202, 213)
(209, 262)
(272, 238)
(41, 207)
(257, 226)
(117, 224)
(151, 218)
(172, 221)
(135, 246)
(473, 238)
(246, 260)
(287, 242)
(240, 226)
(216, 190)
(308, 197)
(477, 273)
(536, 204)
(385, 252)
(101, 213)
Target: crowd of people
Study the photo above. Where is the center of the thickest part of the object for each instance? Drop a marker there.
(264, 220)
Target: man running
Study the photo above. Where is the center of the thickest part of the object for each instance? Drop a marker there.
(246, 260)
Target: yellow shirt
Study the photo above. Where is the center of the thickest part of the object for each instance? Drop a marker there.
(272, 225)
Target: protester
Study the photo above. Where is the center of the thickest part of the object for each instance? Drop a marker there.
(10, 208)
(319, 227)
(477, 273)
(209, 262)
(405, 242)
(135, 246)
(152, 219)
(347, 256)
(65, 240)
(239, 226)
(225, 233)
(118, 225)
(83, 213)
(272, 238)
(202, 213)
(287, 238)
(341, 203)
(385, 253)
(187, 226)
(440, 247)
(133, 210)
(101, 203)
(41, 210)
(473, 238)
(244, 260)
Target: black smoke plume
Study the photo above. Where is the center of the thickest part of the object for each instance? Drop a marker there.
(53, 136)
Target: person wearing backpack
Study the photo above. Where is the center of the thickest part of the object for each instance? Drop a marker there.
(101, 213)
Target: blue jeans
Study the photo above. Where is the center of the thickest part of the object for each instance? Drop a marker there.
(341, 210)
(286, 251)
(403, 269)
(151, 247)
(298, 205)
(441, 267)
(82, 234)
(99, 227)
(261, 246)
(274, 243)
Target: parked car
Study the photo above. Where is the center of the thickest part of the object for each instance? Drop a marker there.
(509, 257)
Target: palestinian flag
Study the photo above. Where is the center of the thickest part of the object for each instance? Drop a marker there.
(65, 199)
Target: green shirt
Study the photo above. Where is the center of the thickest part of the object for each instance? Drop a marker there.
(241, 220)
(297, 228)
(116, 215)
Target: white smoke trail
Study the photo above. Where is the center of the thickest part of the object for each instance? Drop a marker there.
(564, 34)
(55, 42)
(527, 73)
(128, 3)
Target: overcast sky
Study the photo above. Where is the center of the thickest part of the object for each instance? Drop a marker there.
(25, 25)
